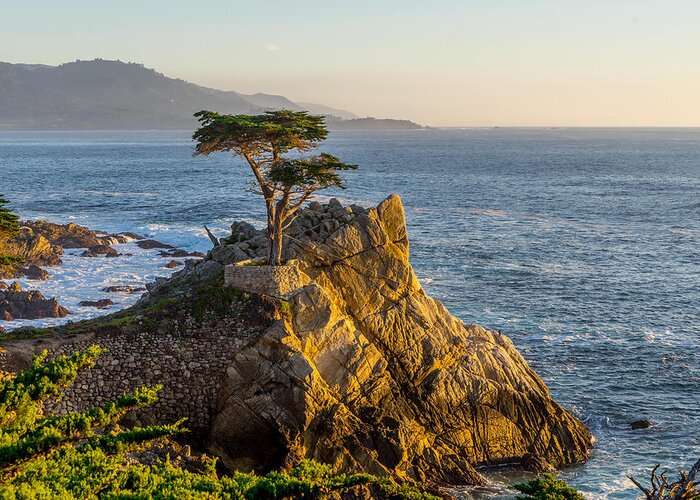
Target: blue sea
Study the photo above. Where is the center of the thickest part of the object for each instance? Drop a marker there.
(582, 245)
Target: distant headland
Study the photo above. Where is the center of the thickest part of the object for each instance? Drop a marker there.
(114, 95)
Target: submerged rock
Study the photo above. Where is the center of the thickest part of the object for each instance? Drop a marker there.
(151, 244)
(124, 289)
(100, 304)
(640, 424)
(16, 303)
(98, 250)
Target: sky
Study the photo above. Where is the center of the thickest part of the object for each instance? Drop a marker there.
(437, 62)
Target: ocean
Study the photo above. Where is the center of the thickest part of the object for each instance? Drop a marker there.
(581, 245)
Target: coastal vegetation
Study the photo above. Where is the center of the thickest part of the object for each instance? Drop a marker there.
(547, 487)
(9, 227)
(285, 183)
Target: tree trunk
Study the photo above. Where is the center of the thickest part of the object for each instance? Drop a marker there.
(278, 218)
(276, 247)
(270, 230)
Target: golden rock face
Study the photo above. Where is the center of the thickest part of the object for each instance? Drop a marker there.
(368, 372)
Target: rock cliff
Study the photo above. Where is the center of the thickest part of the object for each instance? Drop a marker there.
(16, 303)
(368, 372)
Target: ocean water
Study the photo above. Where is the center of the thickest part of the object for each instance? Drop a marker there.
(582, 245)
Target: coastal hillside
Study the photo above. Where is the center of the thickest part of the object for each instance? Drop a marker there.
(356, 366)
(112, 95)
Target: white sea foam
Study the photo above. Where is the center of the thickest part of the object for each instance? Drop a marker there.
(83, 278)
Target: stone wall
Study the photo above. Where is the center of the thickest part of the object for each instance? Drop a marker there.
(275, 281)
(189, 364)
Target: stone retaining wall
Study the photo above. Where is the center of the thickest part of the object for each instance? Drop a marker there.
(275, 281)
(190, 366)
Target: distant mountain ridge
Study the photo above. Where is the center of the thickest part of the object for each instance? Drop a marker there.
(101, 94)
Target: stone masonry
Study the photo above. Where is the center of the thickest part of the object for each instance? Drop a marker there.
(189, 363)
(275, 281)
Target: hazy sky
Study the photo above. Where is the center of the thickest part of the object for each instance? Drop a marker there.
(438, 62)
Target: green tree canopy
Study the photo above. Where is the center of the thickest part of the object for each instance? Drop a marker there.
(9, 221)
(9, 227)
(263, 140)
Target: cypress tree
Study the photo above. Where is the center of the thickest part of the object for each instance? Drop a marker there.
(9, 227)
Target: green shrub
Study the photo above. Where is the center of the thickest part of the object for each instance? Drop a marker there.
(547, 487)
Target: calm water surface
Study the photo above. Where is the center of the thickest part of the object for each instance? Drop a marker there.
(582, 245)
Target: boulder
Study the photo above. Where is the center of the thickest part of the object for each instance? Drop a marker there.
(16, 303)
(640, 424)
(100, 304)
(97, 250)
(33, 272)
(367, 372)
(124, 289)
(172, 264)
(151, 244)
(179, 253)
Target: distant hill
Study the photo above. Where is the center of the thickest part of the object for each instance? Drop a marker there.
(111, 95)
(371, 124)
(320, 109)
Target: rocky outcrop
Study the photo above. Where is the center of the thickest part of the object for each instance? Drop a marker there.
(75, 236)
(16, 303)
(369, 373)
(33, 272)
(358, 368)
(32, 249)
(41, 243)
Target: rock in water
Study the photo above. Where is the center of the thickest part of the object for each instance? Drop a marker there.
(367, 372)
(18, 304)
(100, 304)
(124, 289)
(34, 273)
(151, 244)
(75, 236)
(34, 249)
(98, 250)
(640, 424)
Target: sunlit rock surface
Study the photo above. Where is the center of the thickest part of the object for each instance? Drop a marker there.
(368, 372)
